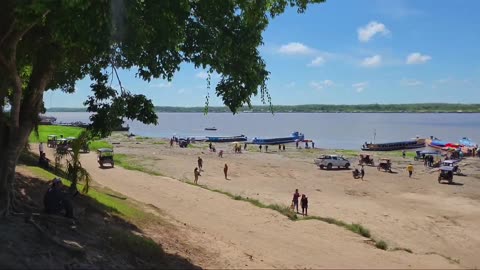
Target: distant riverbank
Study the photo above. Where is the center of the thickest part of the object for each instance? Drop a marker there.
(320, 108)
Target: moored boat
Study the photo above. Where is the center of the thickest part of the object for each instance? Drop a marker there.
(466, 142)
(211, 128)
(409, 144)
(443, 145)
(296, 136)
(240, 138)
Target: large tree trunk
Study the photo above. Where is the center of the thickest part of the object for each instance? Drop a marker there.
(10, 149)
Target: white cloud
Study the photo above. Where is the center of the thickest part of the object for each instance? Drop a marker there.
(321, 85)
(318, 61)
(360, 86)
(370, 30)
(373, 61)
(290, 85)
(417, 58)
(411, 83)
(295, 48)
(162, 85)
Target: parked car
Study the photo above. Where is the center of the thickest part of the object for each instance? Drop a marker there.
(331, 161)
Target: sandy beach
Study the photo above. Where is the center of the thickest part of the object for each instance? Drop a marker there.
(437, 222)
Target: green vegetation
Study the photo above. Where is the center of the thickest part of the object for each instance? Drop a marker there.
(127, 163)
(354, 227)
(381, 245)
(44, 131)
(320, 108)
(95, 145)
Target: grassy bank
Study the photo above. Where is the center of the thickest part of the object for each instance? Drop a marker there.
(44, 131)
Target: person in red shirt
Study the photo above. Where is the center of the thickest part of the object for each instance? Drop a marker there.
(296, 196)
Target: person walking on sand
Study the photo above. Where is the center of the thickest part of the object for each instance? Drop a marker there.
(245, 147)
(279, 147)
(410, 170)
(266, 148)
(313, 145)
(200, 163)
(283, 146)
(40, 148)
(403, 153)
(260, 147)
(304, 203)
(296, 196)
(225, 171)
(220, 153)
(196, 173)
(362, 173)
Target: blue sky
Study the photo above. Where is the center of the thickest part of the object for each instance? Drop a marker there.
(346, 52)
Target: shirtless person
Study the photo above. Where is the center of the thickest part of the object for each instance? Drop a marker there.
(196, 173)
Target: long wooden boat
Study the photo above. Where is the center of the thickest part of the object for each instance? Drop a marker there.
(240, 138)
(211, 128)
(296, 136)
(410, 144)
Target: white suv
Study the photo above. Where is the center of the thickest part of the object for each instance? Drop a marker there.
(330, 161)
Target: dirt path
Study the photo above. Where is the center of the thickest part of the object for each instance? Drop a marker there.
(245, 236)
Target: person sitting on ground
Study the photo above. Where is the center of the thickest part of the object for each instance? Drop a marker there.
(304, 203)
(57, 199)
(43, 161)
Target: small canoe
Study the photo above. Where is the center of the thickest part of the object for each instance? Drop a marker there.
(211, 128)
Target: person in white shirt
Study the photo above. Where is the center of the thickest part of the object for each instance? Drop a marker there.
(40, 148)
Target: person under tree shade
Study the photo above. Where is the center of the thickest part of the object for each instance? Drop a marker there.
(56, 199)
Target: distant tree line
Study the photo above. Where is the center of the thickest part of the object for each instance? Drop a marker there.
(320, 108)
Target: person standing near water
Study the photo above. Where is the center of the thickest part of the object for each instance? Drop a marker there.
(196, 173)
(260, 146)
(225, 171)
(362, 173)
(410, 170)
(313, 145)
(283, 146)
(266, 148)
(403, 153)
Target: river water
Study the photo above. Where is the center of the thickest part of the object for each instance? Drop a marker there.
(328, 130)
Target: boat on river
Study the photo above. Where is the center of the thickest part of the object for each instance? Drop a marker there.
(296, 136)
(240, 138)
(409, 144)
(211, 128)
(443, 145)
(466, 142)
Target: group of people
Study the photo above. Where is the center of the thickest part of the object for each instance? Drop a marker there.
(303, 203)
(297, 144)
(428, 161)
(199, 168)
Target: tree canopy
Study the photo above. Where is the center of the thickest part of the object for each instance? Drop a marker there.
(50, 44)
(78, 38)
